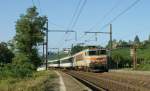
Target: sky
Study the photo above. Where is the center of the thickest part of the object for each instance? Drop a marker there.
(95, 14)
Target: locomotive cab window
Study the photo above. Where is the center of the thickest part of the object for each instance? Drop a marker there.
(91, 53)
(101, 52)
(97, 52)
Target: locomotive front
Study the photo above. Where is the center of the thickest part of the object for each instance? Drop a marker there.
(98, 60)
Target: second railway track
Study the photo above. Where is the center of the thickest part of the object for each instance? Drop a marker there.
(101, 83)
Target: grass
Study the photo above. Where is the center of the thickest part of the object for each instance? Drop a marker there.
(144, 67)
(40, 81)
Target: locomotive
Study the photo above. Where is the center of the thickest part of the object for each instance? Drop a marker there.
(93, 59)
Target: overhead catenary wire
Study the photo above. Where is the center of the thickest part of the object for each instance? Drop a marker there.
(121, 13)
(76, 15)
(104, 17)
(33, 2)
(72, 19)
(39, 4)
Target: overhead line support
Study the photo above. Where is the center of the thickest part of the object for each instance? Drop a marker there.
(47, 45)
(98, 32)
(65, 31)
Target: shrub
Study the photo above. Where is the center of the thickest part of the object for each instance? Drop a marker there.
(144, 67)
(16, 71)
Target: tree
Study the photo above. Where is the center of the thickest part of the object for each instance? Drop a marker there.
(5, 54)
(12, 45)
(136, 40)
(123, 43)
(76, 49)
(117, 58)
(29, 33)
(114, 43)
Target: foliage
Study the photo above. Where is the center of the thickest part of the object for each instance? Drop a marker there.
(76, 49)
(15, 71)
(117, 58)
(123, 43)
(5, 54)
(39, 81)
(143, 57)
(28, 34)
(144, 67)
(121, 58)
(144, 53)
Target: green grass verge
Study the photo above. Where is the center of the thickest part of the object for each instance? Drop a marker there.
(40, 81)
(143, 67)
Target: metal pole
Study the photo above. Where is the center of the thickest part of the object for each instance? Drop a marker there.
(75, 35)
(134, 58)
(43, 54)
(110, 49)
(47, 45)
(71, 53)
(58, 57)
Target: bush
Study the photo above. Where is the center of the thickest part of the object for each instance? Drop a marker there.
(16, 71)
(40, 81)
(20, 68)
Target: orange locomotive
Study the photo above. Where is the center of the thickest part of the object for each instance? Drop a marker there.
(91, 60)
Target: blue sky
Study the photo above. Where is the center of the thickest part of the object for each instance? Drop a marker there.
(136, 21)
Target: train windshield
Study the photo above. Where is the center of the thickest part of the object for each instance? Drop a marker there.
(92, 53)
(97, 52)
(101, 52)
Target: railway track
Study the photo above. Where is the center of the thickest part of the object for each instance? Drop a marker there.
(108, 81)
(88, 83)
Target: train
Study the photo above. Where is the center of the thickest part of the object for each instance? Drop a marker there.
(94, 59)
